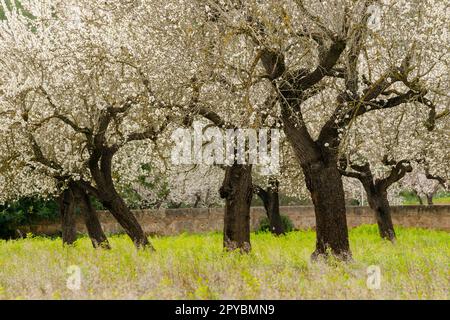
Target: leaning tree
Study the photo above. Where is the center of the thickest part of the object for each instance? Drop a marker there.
(397, 138)
(23, 175)
(80, 80)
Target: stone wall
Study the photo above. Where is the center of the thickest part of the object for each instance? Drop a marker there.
(176, 221)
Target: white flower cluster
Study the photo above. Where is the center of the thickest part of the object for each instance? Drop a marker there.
(65, 64)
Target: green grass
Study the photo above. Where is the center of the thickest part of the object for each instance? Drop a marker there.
(411, 199)
(194, 267)
(414, 201)
(443, 200)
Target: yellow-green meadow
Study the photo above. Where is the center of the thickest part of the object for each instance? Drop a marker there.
(195, 267)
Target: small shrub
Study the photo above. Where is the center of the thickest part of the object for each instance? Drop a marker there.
(264, 224)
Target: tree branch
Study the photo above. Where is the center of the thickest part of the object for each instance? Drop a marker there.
(398, 171)
(439, 179)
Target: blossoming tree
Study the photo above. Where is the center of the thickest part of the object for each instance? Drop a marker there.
(77, 87)
(329, 63)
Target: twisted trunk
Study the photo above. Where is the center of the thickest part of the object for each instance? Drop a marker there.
(376, 190)
(93, 225)
(67, 211)
(377, 197)
(112, 201)
(327, 192)
(237, 191)
(379, 203)
(100, 166)
(318, 158)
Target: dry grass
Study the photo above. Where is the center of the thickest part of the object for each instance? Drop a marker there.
(194, 267)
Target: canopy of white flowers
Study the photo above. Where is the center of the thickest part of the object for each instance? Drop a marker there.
(66, 63)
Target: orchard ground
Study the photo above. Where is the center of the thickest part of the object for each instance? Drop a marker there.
(195, 267)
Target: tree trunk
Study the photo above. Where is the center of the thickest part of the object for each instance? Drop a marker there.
(93, 225)
(327, 192)
(111, 199)
(270, 199)
(273, 212)
(418, 197)
(118, 208)
(237, 191)
(376, 190)
(67, 211)
(379, 203)
(430, 199)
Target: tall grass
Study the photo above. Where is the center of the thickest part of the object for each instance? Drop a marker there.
(194, 267)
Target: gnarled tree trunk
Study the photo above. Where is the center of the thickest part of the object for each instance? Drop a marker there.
(67, 212)
(93, 225)
(270, 199)
(118, 208)
(379, 203)
(318, 158)
(237, 191)
(376, 190)
(327, 192)
(111, 199)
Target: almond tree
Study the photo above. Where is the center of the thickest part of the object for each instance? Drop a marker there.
(424, 184)
(21, 177)
(330, 63)
(398, 144)
(379, 162)
(431, 166)
(289, 181)
(77, 87)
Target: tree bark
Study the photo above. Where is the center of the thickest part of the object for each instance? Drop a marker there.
(118, 208)
(376, 190)
(379, 203)
(100, 166)
(327, 192)
(270, 199)
(93, 225)
(419, 198)
(318, 160)
(430, 199)
(67, 211)
(237, 191)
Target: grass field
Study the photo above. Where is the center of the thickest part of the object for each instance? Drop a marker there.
(415, 202)
(194, 267)
(410, 199)
(443, 200)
